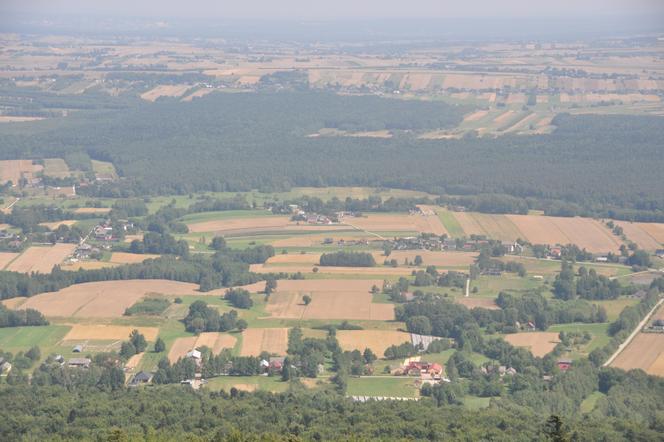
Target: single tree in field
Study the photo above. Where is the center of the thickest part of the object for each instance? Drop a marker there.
(270, 286)
(241, 325)
(306, 299)
(138, 341)
(418, 260)
(159, 345)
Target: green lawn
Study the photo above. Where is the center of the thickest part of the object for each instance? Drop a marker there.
(392, 386)
(490, 286)
(450, 222)
(16, 339)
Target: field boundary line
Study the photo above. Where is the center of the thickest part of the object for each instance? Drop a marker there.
(636, 331)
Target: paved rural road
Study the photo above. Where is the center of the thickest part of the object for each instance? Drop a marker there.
(638, 328)
(11, 205)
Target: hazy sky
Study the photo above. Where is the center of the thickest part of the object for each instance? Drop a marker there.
(338, 9)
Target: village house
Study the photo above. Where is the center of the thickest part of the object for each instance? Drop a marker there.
(79, 363)
(564, 364)
(142, 377)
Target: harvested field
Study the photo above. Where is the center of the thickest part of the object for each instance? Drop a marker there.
(328, 305)
(498, 227)
(257, 340)
(88, 265)
(105, 299)
(504, 118)
(439, 259)
(639, 233)
(13, 303)
(368, 271)
(646, 351)
(293, 258)
(92, 210)
(397, 222)
(216, 341)
(165, 91)
(539, 343)
(181, 347)
(656, 230)
(41, 259)
(243, 224)
(54, 225)
(584, 232)
(6, 258)
(309, 285)
(472, 302)
(376, 340)
(14, 170)
(99, 332)
(130, 258)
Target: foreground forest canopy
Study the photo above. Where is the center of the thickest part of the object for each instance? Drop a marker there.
(271, 141)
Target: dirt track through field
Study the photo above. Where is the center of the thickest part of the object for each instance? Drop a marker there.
(6, 258)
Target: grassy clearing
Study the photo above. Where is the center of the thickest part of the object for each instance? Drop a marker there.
(490, 286)
(476, 403)
(264, 383)
(391, 386)
(104, 167)
(613, 307)
(589, 402)
(450, 222)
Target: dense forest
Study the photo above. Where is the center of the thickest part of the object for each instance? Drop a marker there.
(177, 413)
(244, 141)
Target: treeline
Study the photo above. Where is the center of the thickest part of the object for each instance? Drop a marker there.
(20, 318)
(213, 272)
(265, 134)
(347, 259)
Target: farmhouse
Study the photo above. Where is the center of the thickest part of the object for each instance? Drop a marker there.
(564, 364)
(142, 377)
(418, 368)
(79, 363)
